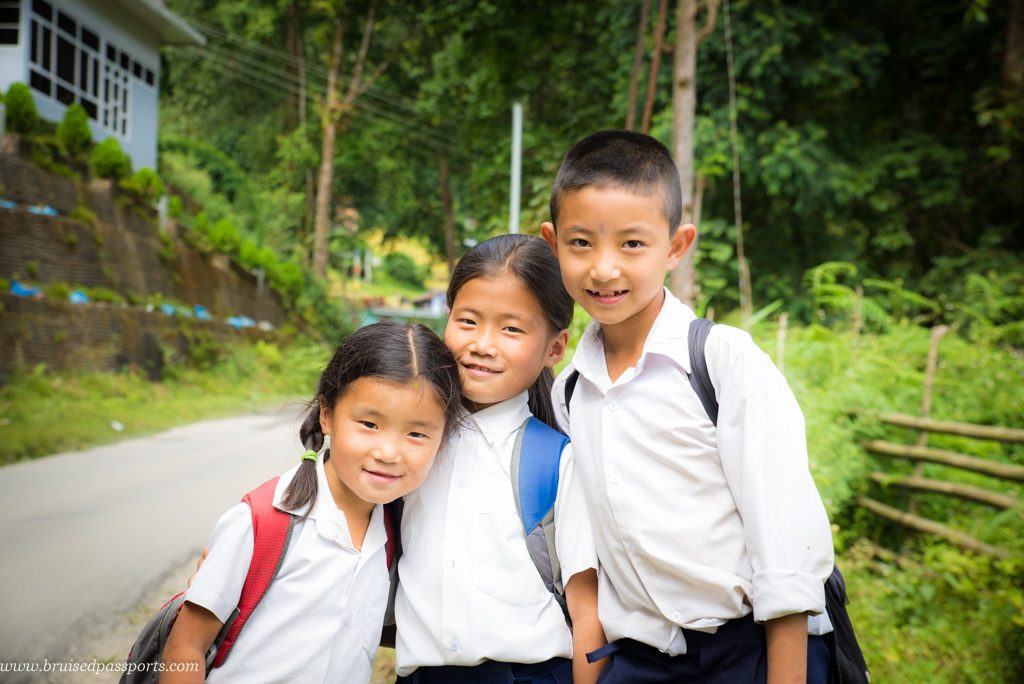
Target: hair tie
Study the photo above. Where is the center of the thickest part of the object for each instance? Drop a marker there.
(310, 455)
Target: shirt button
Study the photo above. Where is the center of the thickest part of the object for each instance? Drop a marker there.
(616, 477)
(453, 645)
(613, 405)
(632, 548)
(461, 483)
(676, 617)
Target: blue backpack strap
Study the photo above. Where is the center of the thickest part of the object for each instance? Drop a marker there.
(699, 377)
(536, 459)
(537, 479)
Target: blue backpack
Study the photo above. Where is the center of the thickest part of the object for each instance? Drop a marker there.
(848, 665)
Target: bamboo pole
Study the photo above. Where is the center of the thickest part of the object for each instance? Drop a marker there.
(1006, 471)
(964, 491)
(926, 397)
(994, 432)
(921, 524)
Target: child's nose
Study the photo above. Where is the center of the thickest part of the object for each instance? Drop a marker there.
(386, 452)
(482, 345)
(605, 268)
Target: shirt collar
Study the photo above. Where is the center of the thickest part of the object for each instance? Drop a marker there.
(330, 521)
(667, 337)
(502, 419)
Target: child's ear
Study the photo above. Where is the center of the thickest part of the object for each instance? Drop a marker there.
(679, 243)
(547, 231)
(325, 417)
(556, 350)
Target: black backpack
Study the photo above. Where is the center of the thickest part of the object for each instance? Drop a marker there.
(848, 666)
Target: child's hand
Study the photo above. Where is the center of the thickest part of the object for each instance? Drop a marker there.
(199, 563)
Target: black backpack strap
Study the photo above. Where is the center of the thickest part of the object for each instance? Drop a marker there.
(699, 377)
(570, 386)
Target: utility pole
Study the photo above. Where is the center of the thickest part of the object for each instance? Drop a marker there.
(517, 151)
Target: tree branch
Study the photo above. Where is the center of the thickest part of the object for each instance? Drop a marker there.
(711, 6)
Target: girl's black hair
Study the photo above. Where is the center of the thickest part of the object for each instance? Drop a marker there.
(529, 259)
(390, 351)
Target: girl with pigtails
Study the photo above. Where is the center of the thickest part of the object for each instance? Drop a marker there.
(384, 405)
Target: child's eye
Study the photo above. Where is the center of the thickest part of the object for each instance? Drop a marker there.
(368, 424)
(578, 242)
(513, 329)
(465, 321)
(633, 244)
(419, 435)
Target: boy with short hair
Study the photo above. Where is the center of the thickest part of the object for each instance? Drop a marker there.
(713, 542)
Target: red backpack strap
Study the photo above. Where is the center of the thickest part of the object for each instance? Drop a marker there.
(271, 531)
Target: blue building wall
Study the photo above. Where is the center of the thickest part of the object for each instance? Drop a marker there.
(121, 81)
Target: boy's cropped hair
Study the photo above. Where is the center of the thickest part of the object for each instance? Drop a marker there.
(633, 161)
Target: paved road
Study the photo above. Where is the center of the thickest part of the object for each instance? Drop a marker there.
(84, 535)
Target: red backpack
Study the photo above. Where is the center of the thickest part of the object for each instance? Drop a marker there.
(272, 532)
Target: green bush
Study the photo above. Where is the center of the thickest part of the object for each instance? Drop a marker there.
(225, 236)
(59, 291)
(73, 133)
(21, 109)
(108, 160)
(145, 184)
(402, 268)
(175, 208)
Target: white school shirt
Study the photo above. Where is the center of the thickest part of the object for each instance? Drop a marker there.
(468, 591)
(694, 525)
(321, 619)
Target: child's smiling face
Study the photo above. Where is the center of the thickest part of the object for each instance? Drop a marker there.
(613, 250)
(384, 437)
(501, 339)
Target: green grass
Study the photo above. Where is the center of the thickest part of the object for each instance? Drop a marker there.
(42, 413)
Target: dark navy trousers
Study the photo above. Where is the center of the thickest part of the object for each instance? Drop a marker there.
(735, 654)
(554, 671)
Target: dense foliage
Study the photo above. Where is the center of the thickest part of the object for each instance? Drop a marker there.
(882, 173)
(886, 136)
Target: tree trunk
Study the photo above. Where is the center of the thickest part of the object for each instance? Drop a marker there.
(1013, 57)
(683, 279)
(326, 176)
(449, 217)
(336, 117)
(652, 79)
(294, 102)
(746, 292)
(638, 54)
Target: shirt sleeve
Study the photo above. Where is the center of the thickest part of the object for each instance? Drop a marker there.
(218, 583)
(763, 449)
(574, 538)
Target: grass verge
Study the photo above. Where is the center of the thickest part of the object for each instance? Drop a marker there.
(43, 413)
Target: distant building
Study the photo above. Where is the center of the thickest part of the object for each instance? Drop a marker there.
(104, 54)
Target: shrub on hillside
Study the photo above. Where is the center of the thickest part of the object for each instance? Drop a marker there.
(21, 109)
(73, 133)
(402, 268)
(225, 236)
(146, 184)
(108, 160)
